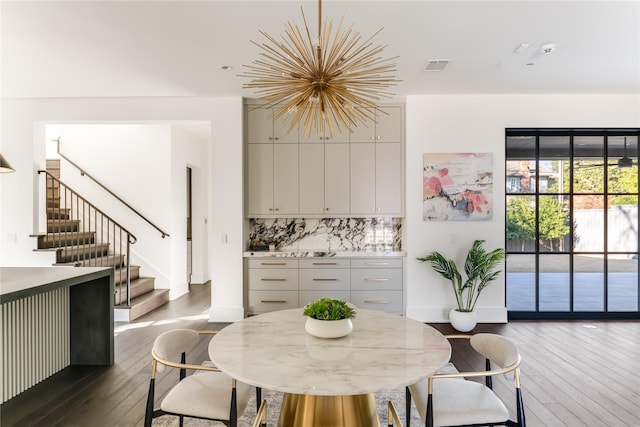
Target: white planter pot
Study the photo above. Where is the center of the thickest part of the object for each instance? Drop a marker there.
(328, 328)
(463, 321)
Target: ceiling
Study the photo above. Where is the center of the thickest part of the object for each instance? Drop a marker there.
(177, 48)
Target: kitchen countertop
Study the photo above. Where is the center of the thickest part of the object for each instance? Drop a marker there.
(320, 253)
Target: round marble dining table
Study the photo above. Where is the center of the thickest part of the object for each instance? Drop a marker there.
(329, 382)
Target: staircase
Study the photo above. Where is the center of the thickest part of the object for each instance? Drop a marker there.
(77, 243)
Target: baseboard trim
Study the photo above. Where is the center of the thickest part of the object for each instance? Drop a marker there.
(225, 314)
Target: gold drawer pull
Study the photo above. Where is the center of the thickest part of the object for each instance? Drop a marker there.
(377, 301)
(377, 263)
(375, 279)
(325, 263)
(267, 279)
(273, 263)
(325, 280)
(267, 301)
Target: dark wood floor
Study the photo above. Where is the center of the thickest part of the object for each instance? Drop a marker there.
(573, 373)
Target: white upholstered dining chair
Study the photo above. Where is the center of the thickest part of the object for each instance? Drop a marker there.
(450, 399)
(207, 393)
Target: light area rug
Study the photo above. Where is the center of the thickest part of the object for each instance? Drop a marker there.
(274, 400)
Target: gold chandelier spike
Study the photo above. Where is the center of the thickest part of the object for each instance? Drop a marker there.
(334, 81)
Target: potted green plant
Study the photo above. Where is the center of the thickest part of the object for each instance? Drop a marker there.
(480, 267)
(329, 318)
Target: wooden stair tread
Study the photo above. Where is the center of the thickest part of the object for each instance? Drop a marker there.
(55, 240)
(139, 286)
(145, 303)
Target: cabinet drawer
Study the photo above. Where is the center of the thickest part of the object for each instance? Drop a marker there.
(317, 279)
(264, 301)
(381, 262)
(390, 301)
(324, 263)
(272, 263)
(305, 297)
(376, 279)
(273, 279)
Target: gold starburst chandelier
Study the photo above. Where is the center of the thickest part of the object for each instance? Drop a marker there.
(331, 81)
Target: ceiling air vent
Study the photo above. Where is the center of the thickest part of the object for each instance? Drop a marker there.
(436, 64)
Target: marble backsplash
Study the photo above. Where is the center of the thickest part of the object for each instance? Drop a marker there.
(329, 234)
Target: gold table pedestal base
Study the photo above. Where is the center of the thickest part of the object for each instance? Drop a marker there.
(299, 410)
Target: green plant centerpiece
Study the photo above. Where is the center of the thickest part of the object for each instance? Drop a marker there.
(329, 309)
(480, 267)
(329, 318)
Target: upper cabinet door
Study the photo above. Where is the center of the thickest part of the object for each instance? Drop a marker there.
(340, 134)
(282, 132)
(389, 124)
(262, 129)
(363, 178)
(285, 179)
(259, 179)
(365, 132)
(311, 179)
(389, 179)
(336, 179)
(259, 125)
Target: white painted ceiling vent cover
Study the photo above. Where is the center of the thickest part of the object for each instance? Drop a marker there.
(436, 64)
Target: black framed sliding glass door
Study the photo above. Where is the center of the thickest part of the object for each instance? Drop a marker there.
(572, 223)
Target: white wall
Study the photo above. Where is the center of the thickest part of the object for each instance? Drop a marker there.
(477, 123)
(134, 161)
(434, 123)
(22, 142)
(190, 148)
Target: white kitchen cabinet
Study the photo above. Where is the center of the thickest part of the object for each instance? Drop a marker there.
(323, 278)
(340, 135)
(376, 179)
(272, 285)
(262, 129)
(259, 179)
(389, 186)
(348, 175)
(285, 179)
(362, 184)
(378, 283)
(272, 179)
(324, 179)
(369, 282)
(387, 126)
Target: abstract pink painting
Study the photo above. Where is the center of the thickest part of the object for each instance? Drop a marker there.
(457, 186)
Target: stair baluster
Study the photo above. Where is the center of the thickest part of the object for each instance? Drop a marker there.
(71, 218)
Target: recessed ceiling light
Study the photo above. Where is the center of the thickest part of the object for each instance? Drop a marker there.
(226, 67)
(436, 64)
(547, 48)
(521, 47)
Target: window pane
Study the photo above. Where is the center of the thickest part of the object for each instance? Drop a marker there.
(519, 179)
(521, 163)
(553, 171)
(553, 224)
(588, 219)
(588, 164)
(521, 276)
(554, 283)
(623, 165)
(622, 225)
(622, 283)
(521, 224)
(588, 283)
